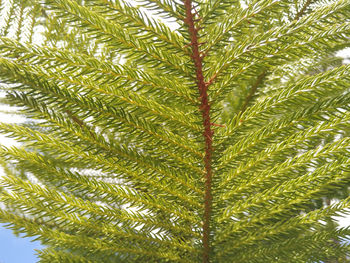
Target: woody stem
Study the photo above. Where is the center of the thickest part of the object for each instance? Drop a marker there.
(207, 132)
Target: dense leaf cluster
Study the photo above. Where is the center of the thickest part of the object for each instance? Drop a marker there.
(120, 163)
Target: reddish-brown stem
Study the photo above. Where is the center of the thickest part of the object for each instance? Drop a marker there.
(207, 133)
(302, 10)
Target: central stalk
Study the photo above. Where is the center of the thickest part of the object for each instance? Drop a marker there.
(207, 133)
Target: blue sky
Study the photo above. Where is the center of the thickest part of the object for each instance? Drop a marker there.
(16, 250)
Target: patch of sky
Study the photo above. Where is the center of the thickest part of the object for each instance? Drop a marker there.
(15, 249)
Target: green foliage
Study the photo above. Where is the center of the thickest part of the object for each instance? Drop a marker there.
(122, 163)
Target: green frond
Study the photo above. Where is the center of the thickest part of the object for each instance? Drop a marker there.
(164, 8)
(257, 163)
(36, 160)
(116, 37)
(212, 11)
(90, 246)
(295, 136)
(274, 47)
(120, 77)
(177, 131)
(300, 225)
(50, 255)
(311, 95)
(100, 220)
(72, 153)
(239, 20)
(146, 27)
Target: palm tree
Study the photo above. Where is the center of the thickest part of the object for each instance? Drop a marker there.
(176, 131)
